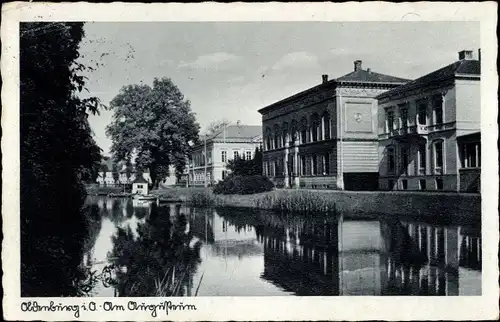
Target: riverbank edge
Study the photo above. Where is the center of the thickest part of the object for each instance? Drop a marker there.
(465, 206)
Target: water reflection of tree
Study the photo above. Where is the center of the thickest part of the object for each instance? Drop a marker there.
(161, 261)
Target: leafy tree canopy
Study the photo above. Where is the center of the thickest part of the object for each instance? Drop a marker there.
(57, 154)
(242, 167)
(154, 124)
(216, 126)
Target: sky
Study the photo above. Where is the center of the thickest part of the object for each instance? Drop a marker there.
(229, 70)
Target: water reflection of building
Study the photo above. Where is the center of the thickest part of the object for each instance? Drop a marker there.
(225, 237)
(301, 258)
(454, 260)
(367, 257)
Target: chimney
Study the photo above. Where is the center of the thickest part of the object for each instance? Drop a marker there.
(479, 54)
(357, 65)
(325, 78)
(465, 55)
(369, 70)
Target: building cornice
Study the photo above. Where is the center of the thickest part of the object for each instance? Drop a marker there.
(294, 98)
(417, 88)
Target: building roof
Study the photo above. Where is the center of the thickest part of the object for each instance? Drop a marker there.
(239, 132)
(367, 76)
(464, 67)
(140, 179)
(358, 76)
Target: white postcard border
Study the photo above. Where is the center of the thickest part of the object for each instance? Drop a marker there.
(257, 308)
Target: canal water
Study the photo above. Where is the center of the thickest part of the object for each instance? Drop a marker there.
(137, 248)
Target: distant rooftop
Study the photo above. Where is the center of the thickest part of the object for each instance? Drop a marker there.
(359, 76)
(140, 179)
(239, 132)
(466, 66)
(367, 76)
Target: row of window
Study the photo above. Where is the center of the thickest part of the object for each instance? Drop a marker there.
(404, 161)
(236, 154)
(200, 176)
(318, 131)
(421, 115)
(312, 165)
(470, 157)
(199, 159)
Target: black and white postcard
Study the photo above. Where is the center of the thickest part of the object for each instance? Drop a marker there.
(240, 161)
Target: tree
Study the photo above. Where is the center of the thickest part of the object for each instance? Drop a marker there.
(129, 169)
(153, 124)
(241, 167)
(216, 127)
(57, 154)
(116, 172)
(257, 161)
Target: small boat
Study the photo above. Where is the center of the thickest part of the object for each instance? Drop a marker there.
(169, 200)
(145, 197)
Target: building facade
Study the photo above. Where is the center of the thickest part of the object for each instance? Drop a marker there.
(429, 130)
(326, 137)
(208, 160)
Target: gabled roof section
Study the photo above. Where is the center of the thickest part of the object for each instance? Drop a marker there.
(236, 133)
(240, 132)
(367, 76)
(358, 76)
(463, 67)
(140, 179)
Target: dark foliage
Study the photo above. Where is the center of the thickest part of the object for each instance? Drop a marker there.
(243, 185)
(161, 260)
(242, 167)
(154, 122)
(57, 154)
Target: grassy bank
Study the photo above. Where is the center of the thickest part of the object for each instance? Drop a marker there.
(280, 200)
(427, 204)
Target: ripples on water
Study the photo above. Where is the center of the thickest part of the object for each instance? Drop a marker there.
(172, 250)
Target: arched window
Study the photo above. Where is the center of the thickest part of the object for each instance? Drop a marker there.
(277, 141)
(293, 131)
(267, 142)
(284, 129)
(315, 127)
(303, 130)
(326, 126)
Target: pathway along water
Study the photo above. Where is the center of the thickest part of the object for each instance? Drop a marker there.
(141, 249)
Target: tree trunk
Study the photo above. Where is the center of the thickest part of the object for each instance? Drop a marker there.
(152, 174)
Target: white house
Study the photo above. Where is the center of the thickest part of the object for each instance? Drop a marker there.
(140, 186)
(233, 141)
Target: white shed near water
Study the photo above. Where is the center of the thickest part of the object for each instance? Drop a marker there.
(140, 186)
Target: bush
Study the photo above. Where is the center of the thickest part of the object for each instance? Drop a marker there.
(296, 201)
(201, 199)
(243, 185)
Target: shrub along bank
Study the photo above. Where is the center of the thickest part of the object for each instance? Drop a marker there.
(425, 204)
(243, 185)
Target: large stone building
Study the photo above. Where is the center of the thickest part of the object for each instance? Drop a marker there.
(327, 136)
(207, 161)
(429, 130)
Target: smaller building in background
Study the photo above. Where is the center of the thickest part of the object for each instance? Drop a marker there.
(125, 176)
(429, 130)
(208, 159)
(140, 186)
